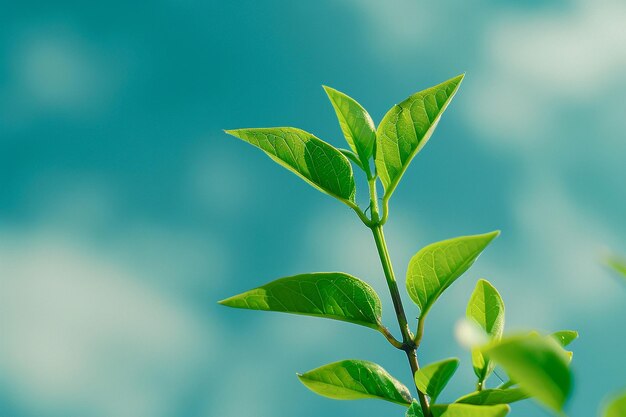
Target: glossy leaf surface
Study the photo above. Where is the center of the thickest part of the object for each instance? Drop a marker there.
(312, 159)
(469, 410)
(432, 379)
(437, 266)
(356, 124)
(406, 128)
(415, 410)
(493, 396)
(355, 379)
(332, 295)
(486, 309)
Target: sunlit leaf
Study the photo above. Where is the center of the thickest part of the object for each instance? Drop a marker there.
(433, 378)
(437, 266)
(351, 156)
(406, 128)
(332, 295)
(415, 410)
(355, 379)
(469, 410)
(493, 396)
(616, 407)
(486, 309)
(312, 159)
(538, 364)
(356, 124)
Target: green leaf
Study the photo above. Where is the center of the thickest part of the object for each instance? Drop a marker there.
(469, 410)
(415, 410)
(565, 337)
(406, 128)
(433, 378)
(332, 295)
(312, 159)
(493, 396)
(351, 156)
(356, 124)
(486, 309)
(437, 266)
(538, 364)
(355, 379)
(617, 407)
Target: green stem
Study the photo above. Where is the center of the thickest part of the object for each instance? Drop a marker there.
(383, 219)
(408, 344)
(373, 202)
(385, 260)
(420, 330)
(394, 342)
(358, 212)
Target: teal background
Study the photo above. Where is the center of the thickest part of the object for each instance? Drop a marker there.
(126, 213)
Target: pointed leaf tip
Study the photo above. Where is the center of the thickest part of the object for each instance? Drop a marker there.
(355, 379)
(415, 410)
(315, 161)
(433, 378)
(356, 124)
(332, 295)
(486, 309)
(407, 127)
(435, 267)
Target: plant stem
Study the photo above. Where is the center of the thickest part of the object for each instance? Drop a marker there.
(408, 345)
(394, 342)
(420, 330)
(383, 253)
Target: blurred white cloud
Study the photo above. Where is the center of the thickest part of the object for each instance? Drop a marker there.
(540, 68)
(93, 314)
(566, 246)
(559, 270)
(540, 64)
(220, 182)
(81, 332)
(54, 70)
(393, 26)
(571, 52)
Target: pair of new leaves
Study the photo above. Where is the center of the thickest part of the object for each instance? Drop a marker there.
(404, 130)
(538, 365)
(401, 134)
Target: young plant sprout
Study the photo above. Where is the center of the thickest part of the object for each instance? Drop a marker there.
(537, 365)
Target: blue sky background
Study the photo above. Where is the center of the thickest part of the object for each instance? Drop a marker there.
(126, 213)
